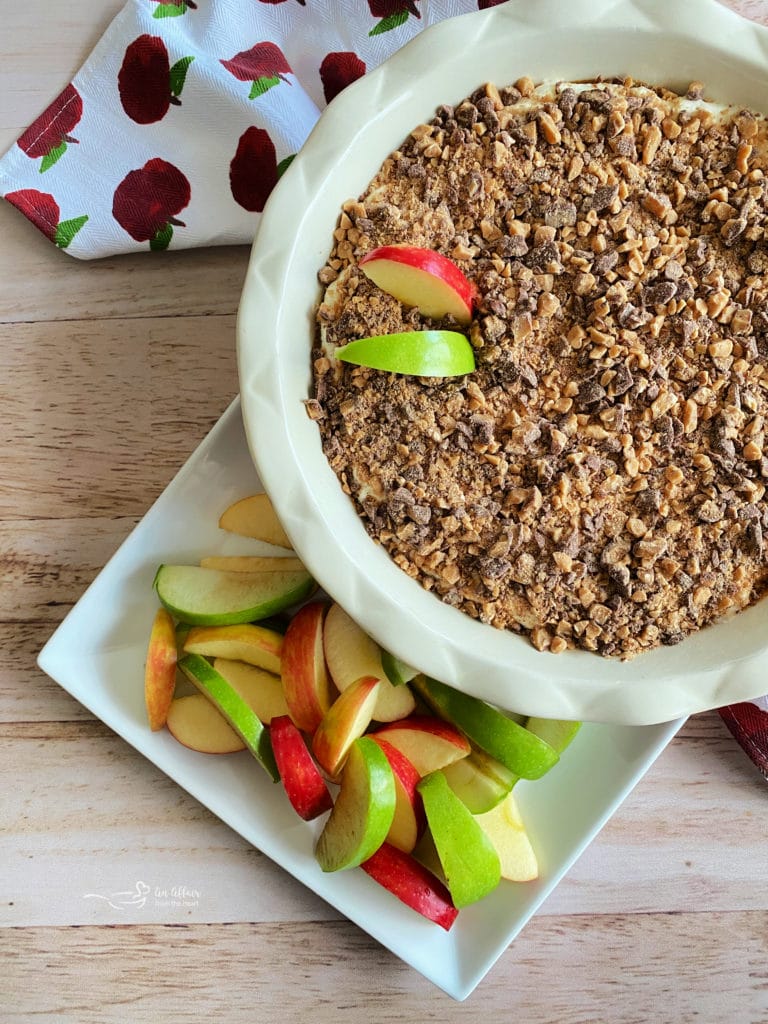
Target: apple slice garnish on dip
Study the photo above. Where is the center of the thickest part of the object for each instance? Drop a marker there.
(423, 278)
(416, 353)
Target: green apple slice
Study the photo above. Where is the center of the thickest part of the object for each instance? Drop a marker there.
(417, 353)
(363, 811)
(233, 707)
(397, 672)
(479, 781)
(213, 597)
(518, 749)
(468, 858)
(557, 732)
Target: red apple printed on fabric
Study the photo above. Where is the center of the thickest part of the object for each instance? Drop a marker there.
(393, 13)
(485, 5)
(147, 201)
(43, 210)
(147, 83)
(302, 2)
(264, 65)
(172, 8)
(49, 136)
(254, 170)
(339, 70)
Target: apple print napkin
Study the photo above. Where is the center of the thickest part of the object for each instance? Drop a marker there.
(187, 112)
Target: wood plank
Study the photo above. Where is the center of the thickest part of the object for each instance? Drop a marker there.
(84, 786)
(26, 693)
(102, 415)
(706, 968)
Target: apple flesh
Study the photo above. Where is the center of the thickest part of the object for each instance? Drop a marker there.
(468, 858)
(363, 811)
(160, 669)
(479, 780)
(210, 597)
(412, 883)
(423, 278)
(428, 743)
(343, 723)
(309, 691)
(408, 822)
(415, 353)
(251, 563)
(235, 710)
(304, 785)
(255, 517)
(196, 724)
(261, 690)
(246, 642)
(519, 750)
(350, 653)
(504, 827)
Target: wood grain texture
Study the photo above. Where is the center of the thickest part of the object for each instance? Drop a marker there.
(110, 374)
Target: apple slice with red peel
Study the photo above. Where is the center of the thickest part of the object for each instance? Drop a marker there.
(255, 517)
(428, 743)
(350, 653)
(408, 822)
(196, 724)
(423, 278)
(412, 883)
(415, 353)
(258, 688)
(309, 691)
(304, 785)
(363, 811)
(504, 827)
(344, 722)
(160, 669)
(246, 642)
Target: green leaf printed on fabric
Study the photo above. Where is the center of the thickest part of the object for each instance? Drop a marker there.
(284, 164)
(162, 238)
(388, 23)
(169, 10)
(261, 85)
(67, 230)
(179, 75)
(50, 158)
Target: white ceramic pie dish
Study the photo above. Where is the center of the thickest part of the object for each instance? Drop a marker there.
(668, 42)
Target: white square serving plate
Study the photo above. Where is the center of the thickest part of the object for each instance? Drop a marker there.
(97, 655)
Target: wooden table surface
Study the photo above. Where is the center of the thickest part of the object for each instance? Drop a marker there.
(111, 374)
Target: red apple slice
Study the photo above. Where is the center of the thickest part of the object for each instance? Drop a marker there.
(160, 669)
(345, 721)
(428, 743)
(350, 653)
(409, 819)
(304, 785)
(423, 278)
(309, 692)
(405, 878)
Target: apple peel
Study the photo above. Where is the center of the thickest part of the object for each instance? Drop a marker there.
(414, 353)
(423, 278)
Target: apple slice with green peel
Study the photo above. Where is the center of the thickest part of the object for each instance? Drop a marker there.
(479, 780)
(408, 822)
(397, 672)
(519, 750)
(428, 743)
(350, 653)
(255, 645)
(255, 517)
(467, 856)
(412, 883)
(363, 811)
(309, 690)
(504, 827)
(210, 597)
(251, 563)
(421, 277)
(160, 669)
(304, 785)
(415, 353)
(344, 722)
(262, 690)
(196, 724)
(237, 711)
(557, 732)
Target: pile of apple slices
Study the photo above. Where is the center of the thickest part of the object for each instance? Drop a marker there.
(433, 283)
(416, 777)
